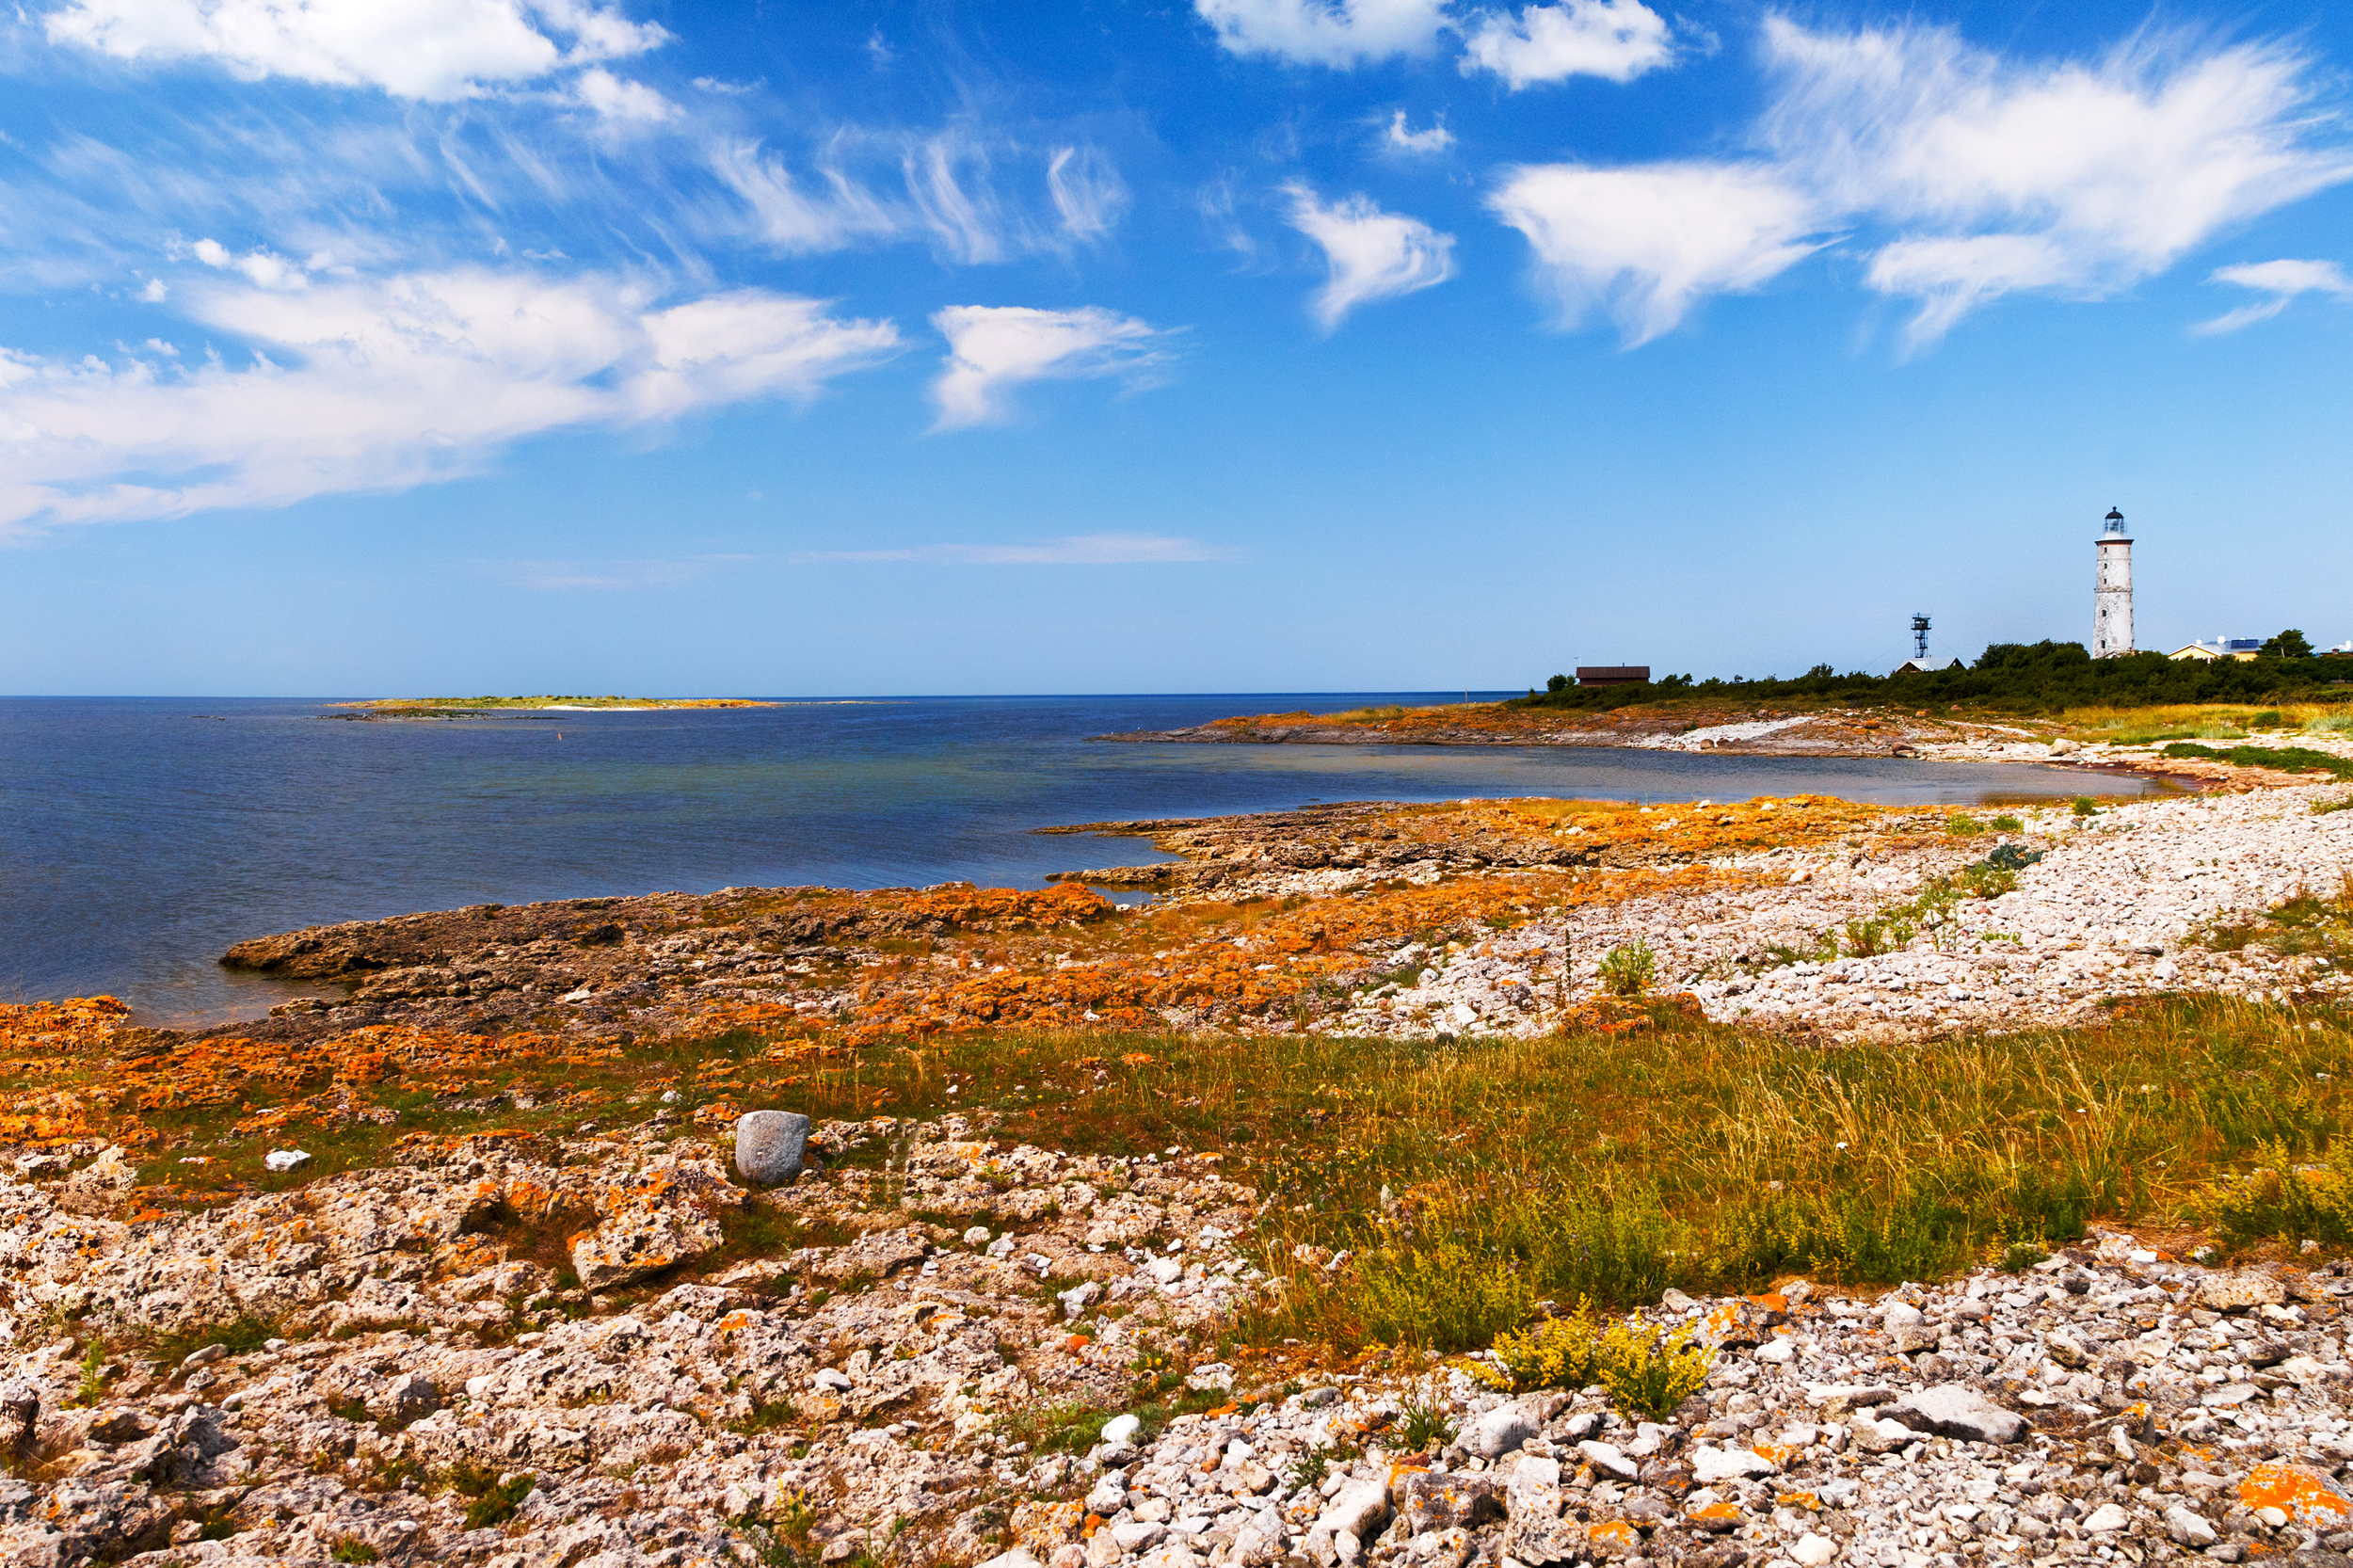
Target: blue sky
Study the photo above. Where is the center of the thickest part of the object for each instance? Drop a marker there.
(463, 345)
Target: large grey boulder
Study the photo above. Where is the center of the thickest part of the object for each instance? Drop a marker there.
(769, 1146)
(1956, 1409)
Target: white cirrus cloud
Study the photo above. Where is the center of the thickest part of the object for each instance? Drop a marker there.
(1076, 549)
(424, 49)
(995, 348)
(1336, 33)
(1371, 254)
(371, 385)
(1616, 40)
(2077, 177)
(1420, 143)
(1646, 243)
(2284, 280)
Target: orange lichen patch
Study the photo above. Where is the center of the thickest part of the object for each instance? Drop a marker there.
(1778, 1452)
(1727, 1513)
(58, 1026)
(1076, 1343)
(2306, 1495)
(1090, 1525)
(1807, 1500)
(1222, 1409)
(1616, 1533)
(1772, 1300)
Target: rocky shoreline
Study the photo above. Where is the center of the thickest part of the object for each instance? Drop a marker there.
(593, 1341)
(386, 1366)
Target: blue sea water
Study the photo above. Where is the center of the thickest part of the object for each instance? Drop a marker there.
(138, 840)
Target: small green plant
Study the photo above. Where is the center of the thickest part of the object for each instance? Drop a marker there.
(1628, 971)
(2270, 719)
(497, 1505)
(767, 1415)
(350, 1548)
(2083, 805)
(93, 1385)
(1649, 1371)
(1551, 1353)
(1961, 825)
(2021, 1255)
(2323, 807)
(1866, 938)
(350, 1408)
(2007, 823)
(2287, 1200)
(1072, 1428)
(1308, 1469)
(1421, 1425)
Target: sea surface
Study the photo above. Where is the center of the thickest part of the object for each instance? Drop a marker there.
(140, 837)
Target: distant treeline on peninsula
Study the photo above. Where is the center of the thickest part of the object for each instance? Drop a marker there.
(2028, 677)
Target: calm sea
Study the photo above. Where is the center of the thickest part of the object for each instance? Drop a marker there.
(138, 840)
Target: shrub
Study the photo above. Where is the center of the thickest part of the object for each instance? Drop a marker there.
(1649, 1371)
(2008, 823)
(1961, 825)
(350, 1548)
(2085, 806)
(1558, 683)
(1628, 971)
(1551, 1353)
(2286, 1201)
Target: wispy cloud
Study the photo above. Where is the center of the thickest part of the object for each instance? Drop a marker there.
(1615, 40)
(1338, 33)
(1077, 550)
(2072, 177)
(1646, 244)
(1371, 254)
(1962, 175)
(381, 384)
(995, 348)
(1418, 143)
(426, 49)
(2284, 280)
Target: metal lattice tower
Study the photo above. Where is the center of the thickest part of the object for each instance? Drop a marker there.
(1920, 638)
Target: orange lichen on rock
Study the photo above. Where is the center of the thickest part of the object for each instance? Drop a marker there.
(2306, 1495)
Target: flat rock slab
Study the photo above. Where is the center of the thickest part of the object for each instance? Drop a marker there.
(1956, 1409)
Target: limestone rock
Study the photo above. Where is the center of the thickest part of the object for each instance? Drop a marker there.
(1956, 1409)
(1498, 1433)
(769, 1147)
(2237, 1292)
(1437, 1502)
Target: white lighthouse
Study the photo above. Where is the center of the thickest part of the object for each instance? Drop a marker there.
(2112, 591)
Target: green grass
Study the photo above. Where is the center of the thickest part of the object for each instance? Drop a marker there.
(2284, 759)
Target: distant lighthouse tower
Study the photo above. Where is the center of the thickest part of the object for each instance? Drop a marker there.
(2112, 591)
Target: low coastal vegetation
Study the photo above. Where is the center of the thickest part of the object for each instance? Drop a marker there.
(2031, 678)
(1418, 1192)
